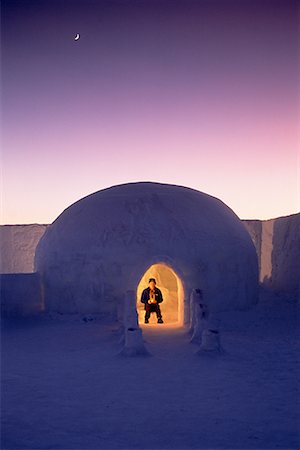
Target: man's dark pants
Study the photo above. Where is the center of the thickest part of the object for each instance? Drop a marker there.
(152, 307)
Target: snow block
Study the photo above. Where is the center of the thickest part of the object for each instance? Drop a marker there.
(277, 243)
(134, 344)
(210, 342)
(199, 315)
(17, 247)
(133, 335)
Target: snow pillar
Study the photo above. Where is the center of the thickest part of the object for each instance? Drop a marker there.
(210, 338)
(132, 338)
(210, 341)
(184, 303)
(198, 314)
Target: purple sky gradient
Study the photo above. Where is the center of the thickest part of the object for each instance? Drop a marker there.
(202, 93)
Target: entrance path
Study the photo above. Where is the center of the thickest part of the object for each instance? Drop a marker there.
(168, 341)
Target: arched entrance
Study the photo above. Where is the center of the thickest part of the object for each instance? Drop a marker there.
(171, 287)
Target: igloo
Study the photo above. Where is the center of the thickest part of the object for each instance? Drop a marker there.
(111, 241)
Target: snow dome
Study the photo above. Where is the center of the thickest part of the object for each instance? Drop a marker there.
(113, 240)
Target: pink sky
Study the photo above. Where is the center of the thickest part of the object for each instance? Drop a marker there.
(183, 93)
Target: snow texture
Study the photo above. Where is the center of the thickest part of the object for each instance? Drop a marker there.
(278, 264)
(17, 247)
(65, 385)
(277, 242)
(100, 247)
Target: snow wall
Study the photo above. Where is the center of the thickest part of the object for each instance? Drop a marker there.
(277, 243)
(17, 247)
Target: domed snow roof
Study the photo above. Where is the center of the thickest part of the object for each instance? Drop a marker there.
(101, 246)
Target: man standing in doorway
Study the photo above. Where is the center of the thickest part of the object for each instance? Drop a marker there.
(151, 297)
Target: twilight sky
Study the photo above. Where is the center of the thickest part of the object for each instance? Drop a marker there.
(202, 93)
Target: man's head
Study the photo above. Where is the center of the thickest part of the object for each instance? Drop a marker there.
(152, 283)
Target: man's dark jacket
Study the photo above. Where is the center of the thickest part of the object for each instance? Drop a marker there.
(146, 295)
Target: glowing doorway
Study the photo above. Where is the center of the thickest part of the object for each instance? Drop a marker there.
(172, 290)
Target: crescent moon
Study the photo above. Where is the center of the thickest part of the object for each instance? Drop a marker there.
(77, 37)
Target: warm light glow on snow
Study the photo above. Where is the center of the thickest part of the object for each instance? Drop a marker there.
(172, 290)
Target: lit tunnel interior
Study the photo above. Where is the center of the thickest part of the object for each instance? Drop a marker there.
(172, 291)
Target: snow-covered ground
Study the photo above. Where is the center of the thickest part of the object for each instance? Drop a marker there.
(65, 387)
